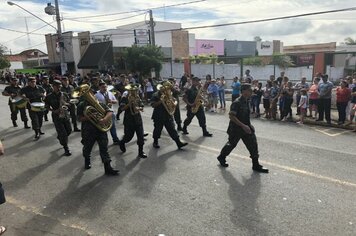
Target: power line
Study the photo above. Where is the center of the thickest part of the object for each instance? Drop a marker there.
(120, 13)
(26, 34)
(102, 21)
(17, 31)
(263, 20)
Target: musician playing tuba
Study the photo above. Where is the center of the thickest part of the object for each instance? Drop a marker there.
(163, 108)
(58, 103)
(194, 100)
(96, 120)
(132, 105)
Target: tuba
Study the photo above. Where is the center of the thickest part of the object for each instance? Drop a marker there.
(167, 99)
(134, 100)
(198, 101)
(94, 111)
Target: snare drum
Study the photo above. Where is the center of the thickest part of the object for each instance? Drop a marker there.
(19, 102)
(38, 106)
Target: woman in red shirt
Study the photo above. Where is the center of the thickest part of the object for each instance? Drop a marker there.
(313, 97)
(343, 94)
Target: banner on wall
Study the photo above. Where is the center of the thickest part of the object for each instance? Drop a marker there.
(209, 47)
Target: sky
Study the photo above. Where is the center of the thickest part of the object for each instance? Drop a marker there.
(333, 27)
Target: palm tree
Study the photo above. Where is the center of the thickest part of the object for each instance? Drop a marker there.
(350, 41)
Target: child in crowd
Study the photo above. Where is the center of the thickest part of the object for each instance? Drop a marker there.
(303, 104)
(267, 99)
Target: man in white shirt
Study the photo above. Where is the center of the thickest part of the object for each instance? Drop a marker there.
(108, 98)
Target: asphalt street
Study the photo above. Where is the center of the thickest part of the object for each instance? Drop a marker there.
(310, 189)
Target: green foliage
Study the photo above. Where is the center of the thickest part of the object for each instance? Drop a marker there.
(282, 60)
(203, 59)
(253, 61)
(4, 63)
(143, 59)
(350, 41)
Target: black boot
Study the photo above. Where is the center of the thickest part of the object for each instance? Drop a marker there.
(76, 128)
(155, 143)
(14, 123)
(141, 153)
(184, 130)
(180, 144)
(26, 126)
(222, 161)
(67, 152)
(258, 168)
(37, 135)
(41, 133)
(206, 133)
(87, 164)
(109, 170)
(122, 146)
(179, 127)
(46, 117)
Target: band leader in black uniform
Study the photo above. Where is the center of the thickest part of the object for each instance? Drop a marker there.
(91, 134)
(13, 91)
(34, 93)
(176, 93)
(132, 105)
(48, 87)
(191, 99)
(58, 103)
(240, 127)
(161, 118)
(67, 88)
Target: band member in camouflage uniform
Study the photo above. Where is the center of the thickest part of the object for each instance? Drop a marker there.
(34, 93)
(190, 99)
(58, 103)
(132, 105)
(48, 87)
(67, 88)
(240, 127)
(12, 91)
(91, 134)
(161, 118)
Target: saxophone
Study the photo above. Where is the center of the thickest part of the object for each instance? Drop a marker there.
(167, 99)
(94, 112)
(198, 101)
(63, 108)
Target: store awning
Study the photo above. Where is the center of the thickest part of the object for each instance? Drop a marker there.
(97, 56)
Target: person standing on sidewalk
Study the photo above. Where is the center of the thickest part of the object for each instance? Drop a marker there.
(2, 194)
(236, 86)
(222, 87)
(313, 97)
(240, 127)
(324, 106)
(353, 100)
(298, 87)
(343, 95)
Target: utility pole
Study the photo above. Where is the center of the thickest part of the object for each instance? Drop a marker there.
(60, 40)
(152, 29)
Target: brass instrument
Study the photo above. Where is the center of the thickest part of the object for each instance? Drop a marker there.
(63, 107)
(94, 112)
(133, 99)
(199, 101)
(167, 99)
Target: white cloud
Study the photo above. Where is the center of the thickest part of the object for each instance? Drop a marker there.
(315, 29)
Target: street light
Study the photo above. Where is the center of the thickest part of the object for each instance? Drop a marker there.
(50, 10)
(14, 4)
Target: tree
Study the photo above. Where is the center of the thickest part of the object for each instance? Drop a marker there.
(257, 39)
(143, 59)
(4, 62)
(350, 41)
(281, 60)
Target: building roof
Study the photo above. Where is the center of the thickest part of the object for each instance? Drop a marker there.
(24, 55)
(310, 48)
(96, 55)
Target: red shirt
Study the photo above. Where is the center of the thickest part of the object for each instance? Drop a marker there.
(343, 94)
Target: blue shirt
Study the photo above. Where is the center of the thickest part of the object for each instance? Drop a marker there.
(236, 87)
(213, 89)
(325, 89)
